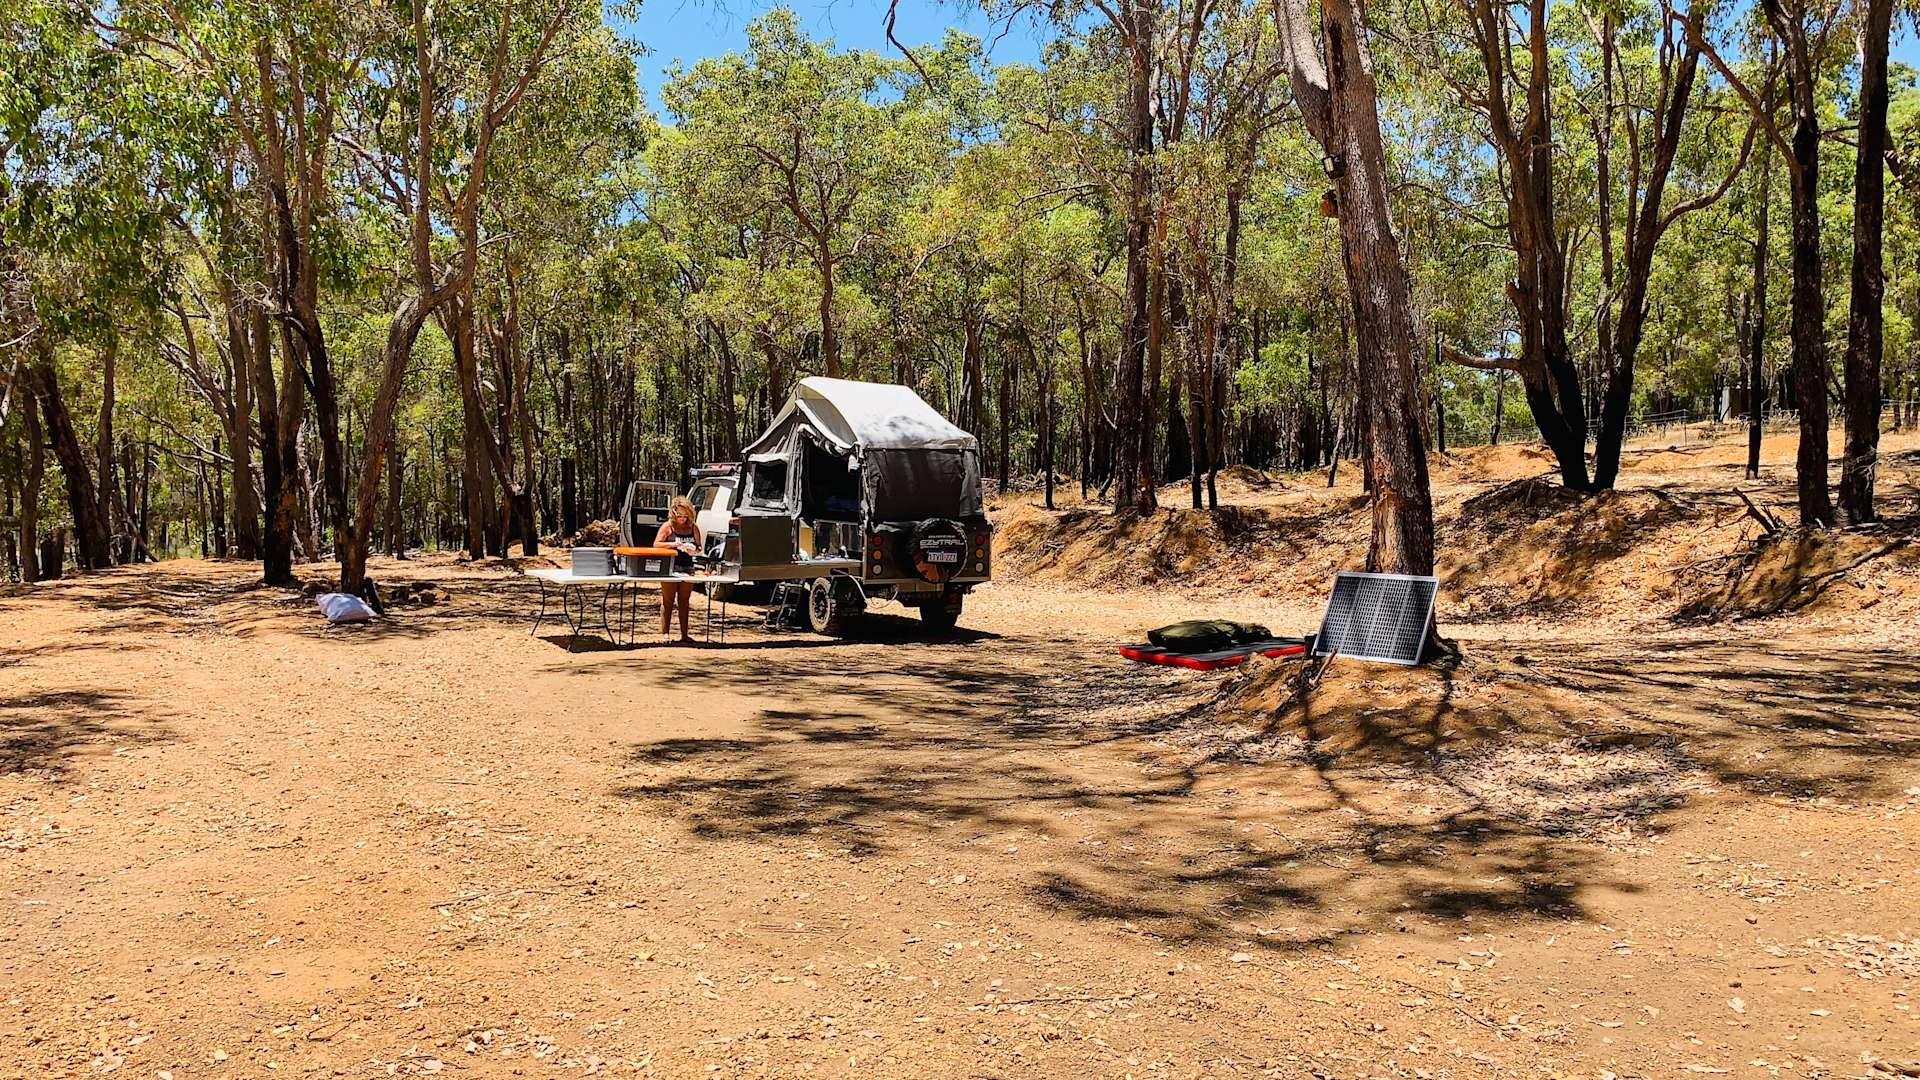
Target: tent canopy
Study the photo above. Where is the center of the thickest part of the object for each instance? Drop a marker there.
(862, 416)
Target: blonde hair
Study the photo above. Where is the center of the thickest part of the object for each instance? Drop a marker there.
(682, 502)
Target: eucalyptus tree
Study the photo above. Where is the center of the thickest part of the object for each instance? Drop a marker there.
(91, 146)
(1337, 97)
(277, 73)
(553, 186)
(443, 84)
(1502, 69)
(1653, 124)
(810, 141)
(1802, 27)
(1865, 321)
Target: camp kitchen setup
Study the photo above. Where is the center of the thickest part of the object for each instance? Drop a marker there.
(857, 492)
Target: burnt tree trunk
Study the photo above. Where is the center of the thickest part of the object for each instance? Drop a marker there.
(35, 473)
(1807, 327)
(279, 409)
(1131, 404)
(1757, 329)
(570, 496)
(1864, 319)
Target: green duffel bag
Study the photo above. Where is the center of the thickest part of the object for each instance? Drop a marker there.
(1206, 635)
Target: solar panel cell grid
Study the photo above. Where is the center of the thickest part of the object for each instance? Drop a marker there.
(1378, 617)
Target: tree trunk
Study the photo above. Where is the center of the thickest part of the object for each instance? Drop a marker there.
(1341, 107)
(91, 540)
(396, 475)
(1646, 222)
(1808, 306)
(1499, 396)
(1864, 330)
(218, 500)
(829, 334)
(103, 452)
(279, 411)
(1146, 493)
(1757, 330)
(1130, 390)
(401, 333)
(53, 556)
(142, 546)
(35, 473)
(570, 496)
(246, 501)
(1047, 424)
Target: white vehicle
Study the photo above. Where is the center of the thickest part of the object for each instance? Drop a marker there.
(712, 497)
(644, 510)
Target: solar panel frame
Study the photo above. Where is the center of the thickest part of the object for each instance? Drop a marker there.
(1357, 597)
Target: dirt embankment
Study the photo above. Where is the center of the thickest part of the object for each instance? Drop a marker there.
(1675, 541)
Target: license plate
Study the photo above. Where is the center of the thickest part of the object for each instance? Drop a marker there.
(943, 556)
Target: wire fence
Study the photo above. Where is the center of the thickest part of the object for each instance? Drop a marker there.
(1678, 426)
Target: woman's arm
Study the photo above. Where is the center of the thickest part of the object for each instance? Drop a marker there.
(662, 538)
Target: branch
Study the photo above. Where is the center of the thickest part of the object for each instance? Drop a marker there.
(893, 10)
(1479, 363)
(1307, 74)
(1764, 115)
(1726, 182)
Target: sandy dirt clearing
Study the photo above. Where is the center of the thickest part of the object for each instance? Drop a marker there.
(234, 842)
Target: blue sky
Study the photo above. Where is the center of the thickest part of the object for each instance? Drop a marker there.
(690, 29)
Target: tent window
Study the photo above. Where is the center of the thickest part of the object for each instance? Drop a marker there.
(769, 483)
(831, 490)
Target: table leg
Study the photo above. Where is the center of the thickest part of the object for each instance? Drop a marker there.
(569, 595)
(543, 607)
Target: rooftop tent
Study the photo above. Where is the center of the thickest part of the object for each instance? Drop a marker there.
(862, 416)
(911, 462)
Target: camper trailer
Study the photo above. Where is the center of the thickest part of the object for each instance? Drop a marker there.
(862, 492)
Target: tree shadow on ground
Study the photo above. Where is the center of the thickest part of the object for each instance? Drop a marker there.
(1841, 723)
(889, 750)
(41, 731)
(1119, 828)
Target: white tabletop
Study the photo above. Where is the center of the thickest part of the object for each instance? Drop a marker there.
(563, 576)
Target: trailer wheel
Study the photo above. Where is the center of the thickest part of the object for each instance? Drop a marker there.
(943, 612)
(826, 610)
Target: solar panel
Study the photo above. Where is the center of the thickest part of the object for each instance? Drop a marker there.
(1377, 617)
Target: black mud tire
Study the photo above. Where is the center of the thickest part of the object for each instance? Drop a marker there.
(941, 614)
(826, 610)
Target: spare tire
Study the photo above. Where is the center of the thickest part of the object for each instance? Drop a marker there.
(937, 549)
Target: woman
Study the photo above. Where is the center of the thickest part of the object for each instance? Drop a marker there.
(680, 533)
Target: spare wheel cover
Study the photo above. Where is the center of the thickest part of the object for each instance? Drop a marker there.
(937, 549)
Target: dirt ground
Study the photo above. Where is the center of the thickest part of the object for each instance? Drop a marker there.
(1634, 832)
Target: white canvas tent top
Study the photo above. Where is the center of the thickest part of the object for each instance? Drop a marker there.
(862, 416)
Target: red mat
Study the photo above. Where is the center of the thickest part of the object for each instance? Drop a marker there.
(1210, 661)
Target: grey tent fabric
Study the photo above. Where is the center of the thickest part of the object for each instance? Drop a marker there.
(907, 485)
(912, 463)
(863, 416)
